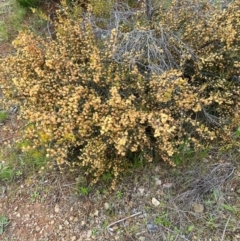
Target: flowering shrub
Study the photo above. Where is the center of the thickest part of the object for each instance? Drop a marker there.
(88, 110)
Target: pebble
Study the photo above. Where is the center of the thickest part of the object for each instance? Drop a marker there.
(106, 206)
(155, 202)
(56, 209)
(66, 223)
(38, 228)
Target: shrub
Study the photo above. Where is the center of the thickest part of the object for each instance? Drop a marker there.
(89, 110)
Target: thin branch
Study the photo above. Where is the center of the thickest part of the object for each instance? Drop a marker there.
(224, 231)
(121, 220)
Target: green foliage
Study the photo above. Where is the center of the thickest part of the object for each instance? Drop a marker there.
(10, 23)
(84, 191)
(4, 221)
(30, 3)
(20, 163)
(89, 110)
(6, 173)
(3, 115)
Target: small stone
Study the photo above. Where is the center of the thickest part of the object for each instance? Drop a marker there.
(141, 238)
(60, 227)
(152, 227)
(52, 222)
(38, 228)
(75, 219)
(158, 182)
(71, 218)
(18, 215)
(83, 223)
(96, 213)
(155, 202)
(168, 185)
(56, 209)
(89, 233)
(66, 223)
(141, 190)
(106, 206)
(73, 238)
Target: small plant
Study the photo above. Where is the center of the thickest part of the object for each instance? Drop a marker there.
(34, 196)
(119, 194)
(4, 221)
(189, 229)
(211, 223)
(3, 116)
(6, 173)
(230, 208)
(163, 220)
(237, 133)
(84, 191)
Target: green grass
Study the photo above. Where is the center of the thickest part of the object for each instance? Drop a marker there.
(13, 15)
(20, 164)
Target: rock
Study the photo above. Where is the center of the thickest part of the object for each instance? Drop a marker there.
(155, 202)
(168, 185)
(141, 190)
(151, 227)
(66, 223)
(75, 219)
(158, 182)
(38, 228)
(56, 209)
(106, 206)
(96, 213)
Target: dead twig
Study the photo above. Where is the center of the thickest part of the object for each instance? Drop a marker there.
(121, 220)
(224, 231)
